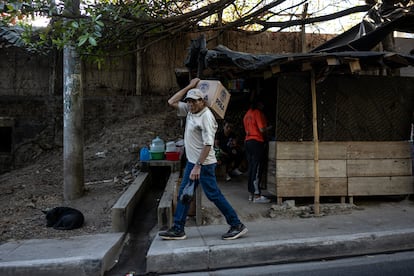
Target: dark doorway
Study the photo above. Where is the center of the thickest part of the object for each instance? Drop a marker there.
(6, 139)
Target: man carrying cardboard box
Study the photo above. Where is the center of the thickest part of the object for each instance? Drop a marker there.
(200, 129)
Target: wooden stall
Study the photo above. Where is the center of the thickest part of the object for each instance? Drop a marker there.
(345, 169)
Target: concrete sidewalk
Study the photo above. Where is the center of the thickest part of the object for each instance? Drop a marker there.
(287, 240)
(372, 228)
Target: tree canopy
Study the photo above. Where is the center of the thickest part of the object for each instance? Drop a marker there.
(105, 24)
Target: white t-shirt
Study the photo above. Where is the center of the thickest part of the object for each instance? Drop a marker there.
(200, 129)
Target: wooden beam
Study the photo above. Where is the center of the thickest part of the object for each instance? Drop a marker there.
(306, 66)
(305, 168)
(267, 74)
(377, 185)
(275, 69)
(139, 71)
(354, 66)
(303, 186)
(199, 215)
(316, 143)
(303, 26)
(332, 61)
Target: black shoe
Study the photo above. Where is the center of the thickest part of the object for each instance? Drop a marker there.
(235, 232)
(173, 234)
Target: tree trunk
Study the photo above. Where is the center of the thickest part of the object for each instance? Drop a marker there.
(73, 174)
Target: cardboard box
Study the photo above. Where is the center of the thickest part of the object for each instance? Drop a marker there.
(217, 96)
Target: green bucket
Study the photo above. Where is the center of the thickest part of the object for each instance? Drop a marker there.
(157, 155)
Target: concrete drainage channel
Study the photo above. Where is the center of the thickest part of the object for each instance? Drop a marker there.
(136, 214)
(123, 209)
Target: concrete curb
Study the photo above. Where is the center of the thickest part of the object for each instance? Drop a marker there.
(201, 256)
(81, 255)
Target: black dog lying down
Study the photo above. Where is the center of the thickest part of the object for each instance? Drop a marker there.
(64, 218)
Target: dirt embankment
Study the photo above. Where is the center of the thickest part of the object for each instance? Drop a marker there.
(111, 160)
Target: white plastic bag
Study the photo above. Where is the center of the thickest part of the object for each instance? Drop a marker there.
(188, 192)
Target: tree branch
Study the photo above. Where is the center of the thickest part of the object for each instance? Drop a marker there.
(332, 16)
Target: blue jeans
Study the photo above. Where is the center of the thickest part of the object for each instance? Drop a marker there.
(208, 182)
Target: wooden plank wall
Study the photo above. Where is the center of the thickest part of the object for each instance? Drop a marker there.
(346, 168)
(379, 168)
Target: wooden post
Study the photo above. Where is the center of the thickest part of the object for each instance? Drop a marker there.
(139, 70)
(302, 27)
(199, 218)
(220, 24)
(203, 50)
(412, 147)
(316, 144)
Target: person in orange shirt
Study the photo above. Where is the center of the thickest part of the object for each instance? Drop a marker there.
(255, 126)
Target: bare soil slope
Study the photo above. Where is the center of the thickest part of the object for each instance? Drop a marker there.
(111, 161)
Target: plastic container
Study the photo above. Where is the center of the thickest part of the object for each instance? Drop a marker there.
(170, 147)
(172, 156)
(157, 155)
(157, 145)
(179, 145)
(144, 154)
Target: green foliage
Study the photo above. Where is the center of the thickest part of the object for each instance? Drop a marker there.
(83, 31)
(13, 36)
(100, 26)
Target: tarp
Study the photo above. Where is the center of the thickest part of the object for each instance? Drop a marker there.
(380, 21)
(224, 59)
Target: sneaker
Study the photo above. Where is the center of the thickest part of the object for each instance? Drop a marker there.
(236, 172)
(235, 232)
(250, 197)
(261, 199)
(228, 177)
(173, 234)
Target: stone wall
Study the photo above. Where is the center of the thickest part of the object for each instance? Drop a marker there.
(23, 74)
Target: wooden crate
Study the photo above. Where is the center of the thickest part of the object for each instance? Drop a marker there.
(345, 169)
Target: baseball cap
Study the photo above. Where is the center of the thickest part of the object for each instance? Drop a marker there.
(194, 94)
